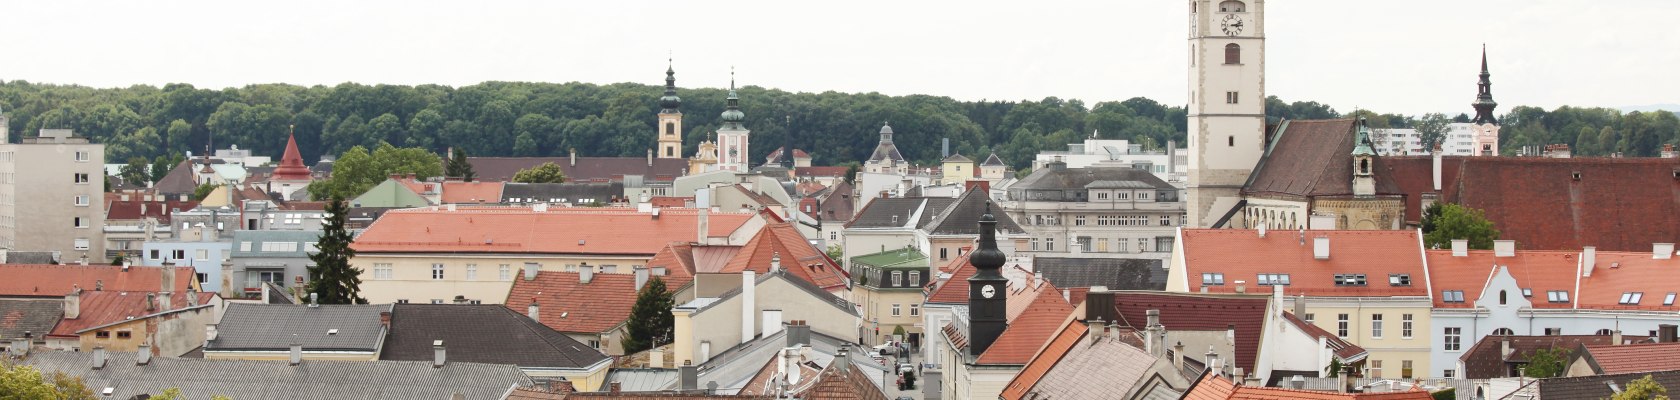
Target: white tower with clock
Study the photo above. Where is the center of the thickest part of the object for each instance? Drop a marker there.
(1227, 113)
(732, 136)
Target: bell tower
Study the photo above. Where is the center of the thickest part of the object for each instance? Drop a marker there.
(1485, 126)
(733, 136)
(670, 118)
(1227, 113)
(988, 290)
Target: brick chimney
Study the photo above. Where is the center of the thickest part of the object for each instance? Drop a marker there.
(614, 389)
(385, 319)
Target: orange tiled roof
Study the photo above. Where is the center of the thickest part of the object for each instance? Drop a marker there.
(35, 280)
(1622, 359)
(1030, 328)
(107, 307)
(1221, 388)
(1349, 353)
(797, 255)
(1615, 273)
(670, 202)
(1539, 271)
(1065, 339)
(955, 289)
(566, 304)
(560, 230)
(471, 192)
(1241, 254)
(677, 258)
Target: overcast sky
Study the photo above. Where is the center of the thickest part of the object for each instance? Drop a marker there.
(1408, 57)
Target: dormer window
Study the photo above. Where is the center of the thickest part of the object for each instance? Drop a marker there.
(1231, 6)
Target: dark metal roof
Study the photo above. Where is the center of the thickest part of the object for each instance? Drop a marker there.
(891, 212)
(963, 217)
(489, 333)
(265, 327)
(573, 192)
(1061, 178)
(277, 380)
(1115, 273)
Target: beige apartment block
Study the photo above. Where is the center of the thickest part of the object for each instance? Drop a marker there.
(51, 195)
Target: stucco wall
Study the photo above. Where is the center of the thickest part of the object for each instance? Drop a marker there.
(411, 274)
(720, 324)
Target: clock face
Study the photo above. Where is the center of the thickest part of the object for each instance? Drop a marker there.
(733, 152)
(1232, 25)
(988, 291)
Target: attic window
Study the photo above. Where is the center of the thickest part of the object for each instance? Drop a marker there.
(1213, 279)
(1631, 298)
(1399, 279)
(1527, 292)
(1452, 296)
(1350, 279)
(1273, 279)
(1668, 300)
(1557, 296)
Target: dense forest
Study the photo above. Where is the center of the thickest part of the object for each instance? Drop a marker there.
(548, 119)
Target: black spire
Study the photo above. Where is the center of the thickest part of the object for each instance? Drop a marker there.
(670, 103)
(1484, 103)
(787, 147)
(988, 290)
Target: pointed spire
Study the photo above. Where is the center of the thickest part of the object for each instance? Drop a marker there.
(1484, 103)
(670, 103)
(732, 115)
(291, 163)
(988, 259)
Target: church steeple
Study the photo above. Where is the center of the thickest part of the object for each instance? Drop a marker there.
(732, 115)
(988, 290)
(1484, 103)
(670, 103)
(291, 163)
(670, 118)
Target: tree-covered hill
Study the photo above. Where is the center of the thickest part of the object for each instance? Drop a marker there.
(548, 119)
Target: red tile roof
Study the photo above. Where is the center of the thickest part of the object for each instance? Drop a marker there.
(471, 192)
(1617, 204)
(820, 171)
(1376, 254)
(1311, 158)
(670, 202)
(1064, 339)
(107, 307)
(34, 280)
(1621, 359)
(1221, 388)
(1349, 353)
(797, 256)
(955, 289)
(291, 163)
(1030, 328)
(677, 258)
(585, 169)
(1539, 271)
(560, 230)
(136, 209)
(1485, 361)
(1616, 273)
(568, 305)
(1197, 312)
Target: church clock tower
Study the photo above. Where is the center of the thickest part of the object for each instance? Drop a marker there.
(1227, 113)
(988, 290)
(733, 136)
(1485, 126)
(670, 118)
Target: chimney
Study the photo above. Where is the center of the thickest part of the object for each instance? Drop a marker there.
(775, 262)
(842, 362)
(531, 310)
(1262, 231)
(798, 333)
(1461, 247)
(1505, 347)
(1153, 344)
(748, 303)
(437, 354)
(1616, 337)
(73, 304)
(1589, 259)
(192, 297)
(586, 273)
(1211, 360)
(572, 158)
(688, 377)
(1504, 248)
(656, 358)
(1668, 152)
(1178, 356)
(1231, 334)
(614, 389)
(385, 319)
(1297, 382)
(151, 302)
(1099, 304)
(539, 207)
(209, 332)
(704, 225)
(641, 277)
(99, 357)
(296, 353)
(530, 271)
(771, 321)
(1321, 248)
(1662, 251)
(165, 301)
(650, 157)
(143, 354)
(1242, 287)
(167, 281)
(1435, 165)
(312, 300)
(1666, 333)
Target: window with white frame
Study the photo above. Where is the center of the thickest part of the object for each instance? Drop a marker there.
(382, 271)
(81, 178)
(504, 272)
(915, 310)
(472, 272)
(81, 244)
(916, 279)
(897, 280)
(1375, 369)
(1405, 326)
(1451, 338)
(437, 271)
(1272, 279)
(1342, 326)
(895, 311)
(1557, 296)
(1631, 298)
(1376, 326)
(1213, 279)
(82, 156)
(81, 200)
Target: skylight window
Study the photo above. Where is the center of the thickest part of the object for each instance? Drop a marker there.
(1399, 279)
(1452, 296)
(1273, 279)
(1350, 279)
(1213, 279)
(1527, 292)
(1632, 298)
(1557, 296)
(1669, 299)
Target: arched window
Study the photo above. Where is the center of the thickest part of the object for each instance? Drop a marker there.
(1364, 165)
(1231, 6)
(1502, 297)
(1233, 54)
(1503, 332)
(670, 128)
(1604, 332)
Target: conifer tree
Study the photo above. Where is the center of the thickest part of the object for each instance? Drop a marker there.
(332, 279)
(651, 322)
(458, 167)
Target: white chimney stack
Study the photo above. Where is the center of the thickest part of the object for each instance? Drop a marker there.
(586, 273)
(143, 355)
(437, 354)
(531, 311)
(641, 277)
(748, 304)
(530, 271)
(1589, 259)
(99, 357)
(1662, 251)
(1461, 247)
(1321, 248)
(1435, 164)
(296, 354)
(1504, 248)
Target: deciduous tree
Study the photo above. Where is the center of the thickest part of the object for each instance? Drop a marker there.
(545, 173)
(1458, 222)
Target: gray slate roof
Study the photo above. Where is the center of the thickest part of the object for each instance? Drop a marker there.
(1115, 273)
(247, 327)
(276, 380)
(963, 217)
(31, 257)
(880, 213)
(1054, 178)
(34, 316)
(573, 192)
(488, 333)
(1598, 386)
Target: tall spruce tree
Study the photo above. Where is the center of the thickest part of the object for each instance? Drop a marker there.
(458, 167)
(332, 279)
(651, 322)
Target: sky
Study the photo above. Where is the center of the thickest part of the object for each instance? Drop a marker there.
(1407, 57)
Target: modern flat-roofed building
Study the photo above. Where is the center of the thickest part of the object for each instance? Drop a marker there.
(51, 195)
